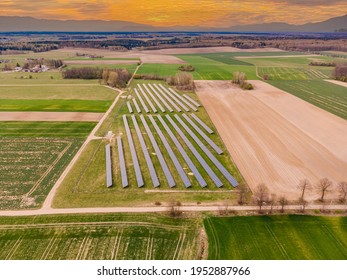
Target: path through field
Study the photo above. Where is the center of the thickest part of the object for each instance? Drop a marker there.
(50, 116)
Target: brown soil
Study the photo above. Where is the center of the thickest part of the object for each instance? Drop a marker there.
(50, 116)
(343, 84)
(276, 138)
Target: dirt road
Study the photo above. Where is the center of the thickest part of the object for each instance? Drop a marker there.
(276, 138)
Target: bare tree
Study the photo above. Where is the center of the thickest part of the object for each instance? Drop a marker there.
(323, 187)
(242, 194)
(283, 202)
(272, 201)
(303, 186)
(342, 187)
(303, 204)
(261, 195)
(174, 208)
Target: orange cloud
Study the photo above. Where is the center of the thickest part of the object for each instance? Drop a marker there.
(214, 13)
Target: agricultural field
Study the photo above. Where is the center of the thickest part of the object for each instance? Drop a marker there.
(277, 238)
(85, 184)
(325, 95)
(99, 237)
(287, 73)
(29, 168)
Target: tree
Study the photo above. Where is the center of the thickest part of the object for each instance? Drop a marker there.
(323, 187)
(261, 195)
(283, 202)
(272, 201)
(242, 194)
(342, 187)
(303, 204)
(174, 208)
(112, 79)
(303, 186)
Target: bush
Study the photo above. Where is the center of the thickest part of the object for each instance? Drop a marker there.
(340, 72)
(87, 73)
(239, 78)
(116, 78)
(182, 81)
(187, 68)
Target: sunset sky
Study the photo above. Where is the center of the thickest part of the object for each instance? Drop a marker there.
(209, 13)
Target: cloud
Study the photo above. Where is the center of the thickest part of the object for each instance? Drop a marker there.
(218, 13)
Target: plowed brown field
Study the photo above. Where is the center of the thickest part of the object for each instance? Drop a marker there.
(276, 138)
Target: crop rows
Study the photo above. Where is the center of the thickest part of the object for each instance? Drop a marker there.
(29, 168)
(286, 73)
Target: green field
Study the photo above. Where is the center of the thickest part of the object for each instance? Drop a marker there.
(277, 238)
(325, 95)
(54, 105)
(212, 69)
(60, 92)
(161, 70)
(85, 184)
(99, 237)
(46, 129)
(225, 58)
(287, 73)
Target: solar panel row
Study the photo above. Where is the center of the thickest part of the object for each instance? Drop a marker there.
(173, 104)
(137, 106)
(201, 160)
(192, 100)
(199, 121)
(203, 135)
(129, 107)
(138, 173)
(149, 162)
(108, 167)
(123, 171)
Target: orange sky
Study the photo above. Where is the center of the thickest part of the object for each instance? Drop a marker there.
(209, 13)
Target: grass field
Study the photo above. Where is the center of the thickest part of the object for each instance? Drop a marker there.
(53, 105)
(277, 238)
(328, 96)
(60, 92)
(85, 184)
(45, 129)
(99, 237)
(287, 73)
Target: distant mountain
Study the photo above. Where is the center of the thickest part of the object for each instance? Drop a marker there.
(13, 24)
(330, 25)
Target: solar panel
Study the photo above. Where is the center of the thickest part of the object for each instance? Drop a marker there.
(168, 98)
(199, 121)
(183, 99)
(148, 100)
(129, 107)
(137, 168)
(141, 101)
(137, 106)
(173, 157)
(108, 167)
(203, 135)
(183, 153)
(161, 98)
(149, 162)
(191, 147)
(154, 98)
(163, 164)
(123, 171)
(175, 98)
(216, 162)
(192, 100)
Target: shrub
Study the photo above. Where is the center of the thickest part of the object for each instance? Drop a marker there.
(182, 81)
(87, 73)
(340, 72)
(187, 68)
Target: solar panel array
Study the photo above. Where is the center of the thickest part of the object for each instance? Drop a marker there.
(181, 143)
